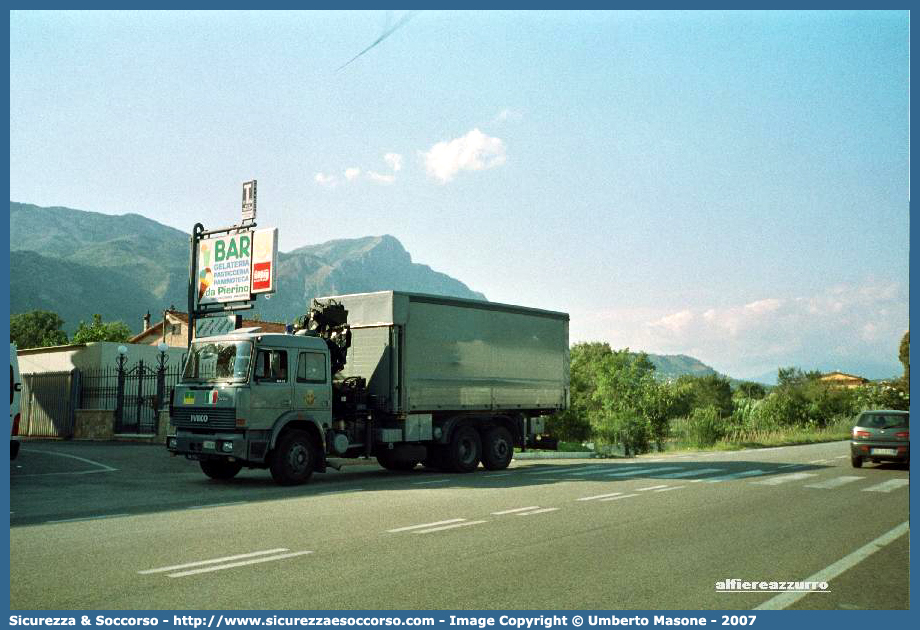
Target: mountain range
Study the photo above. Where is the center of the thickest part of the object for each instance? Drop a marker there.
(77, 263)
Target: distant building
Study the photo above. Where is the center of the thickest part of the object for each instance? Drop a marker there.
(173, 329)
(841, 379)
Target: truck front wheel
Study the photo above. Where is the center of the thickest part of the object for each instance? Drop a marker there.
(497, 448)
(294, 458)
(464, 450)
(220, 468)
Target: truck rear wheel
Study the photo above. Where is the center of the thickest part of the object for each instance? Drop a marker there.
(464, 450)
(220, 468)
(497, 448)
(294, 458)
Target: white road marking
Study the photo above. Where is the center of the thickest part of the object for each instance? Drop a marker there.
(342, 490)
(691, 473)
(405, 529)
(214, 561)
(423, 483)
(87, 518)
(523, 509)
(441, 529)
(841, 457)
(651, 488)
(102, 467)
(625, 496)
(784, 600)
(775, 481)
(504, 474)
(599, 496)
(818, 461)
(888, 486)
(540, 511)
(792, 466)
(833, 482)
(645, 470)
(596, 471)
(242, 563)
(556, 470)
(671, 488)
(210, 505)
(737, 475)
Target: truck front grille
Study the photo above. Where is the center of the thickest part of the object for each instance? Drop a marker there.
(217, 417)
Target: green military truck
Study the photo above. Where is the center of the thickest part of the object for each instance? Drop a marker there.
(403, 377)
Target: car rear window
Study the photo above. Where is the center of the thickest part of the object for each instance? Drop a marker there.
(883, 421)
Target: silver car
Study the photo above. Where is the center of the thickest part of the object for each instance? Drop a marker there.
(881, 435)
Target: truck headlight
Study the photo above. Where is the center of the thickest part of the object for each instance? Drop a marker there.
(226, 447)
(172, 443)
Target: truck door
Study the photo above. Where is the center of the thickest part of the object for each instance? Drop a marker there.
(311, 384)
(271, 395)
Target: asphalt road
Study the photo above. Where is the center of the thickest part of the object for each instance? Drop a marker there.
(120, 526)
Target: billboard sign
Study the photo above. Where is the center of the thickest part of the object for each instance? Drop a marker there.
(224, 265)
(264, 260)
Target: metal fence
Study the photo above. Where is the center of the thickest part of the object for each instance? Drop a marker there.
(48, 404)
(50, 400)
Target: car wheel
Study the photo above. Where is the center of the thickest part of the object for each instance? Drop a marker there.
(856, 461)
(294, 458)
(220, 468)
(497, 448)
(464, 450)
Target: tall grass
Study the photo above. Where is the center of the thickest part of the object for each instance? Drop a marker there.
(698, 431)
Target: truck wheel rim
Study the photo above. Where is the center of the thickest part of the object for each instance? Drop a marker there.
(467, 450)
(298, 458)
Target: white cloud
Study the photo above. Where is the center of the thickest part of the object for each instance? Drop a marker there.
(381, 179)
(855, 328)
(395, 160)
(323, 179)
(352, 174)
(473, 152)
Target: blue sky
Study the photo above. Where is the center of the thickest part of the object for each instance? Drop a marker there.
(732, 186)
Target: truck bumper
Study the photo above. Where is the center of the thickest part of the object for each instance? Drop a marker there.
(210, 446)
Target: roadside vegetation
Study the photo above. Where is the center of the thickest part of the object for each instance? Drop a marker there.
(619, 406)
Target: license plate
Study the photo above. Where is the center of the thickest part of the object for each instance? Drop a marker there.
(883, 451)
(209, 444)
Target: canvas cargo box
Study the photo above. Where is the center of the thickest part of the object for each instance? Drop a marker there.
(429, 354)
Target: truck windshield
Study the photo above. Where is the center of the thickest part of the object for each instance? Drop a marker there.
(218, 361)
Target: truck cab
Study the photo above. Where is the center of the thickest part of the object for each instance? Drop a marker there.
(254, 399)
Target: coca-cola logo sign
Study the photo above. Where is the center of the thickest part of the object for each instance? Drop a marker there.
(261, 275)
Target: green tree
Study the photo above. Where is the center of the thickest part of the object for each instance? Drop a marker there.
(751, 391)
(585, 363)
(904, 356)
(37, 329)
(621, 400)
(99, 330)
(712, 390)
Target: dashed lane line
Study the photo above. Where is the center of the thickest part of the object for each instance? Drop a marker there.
(599, 496)
(512, 511)
(540, 511)
(738, 475)
(651, 488)
(643, 471)
(242, 563)
(199, 563)
(775, 481)
(622, 496)
(454, 526)
(669, 488)
(888, 486)
(425, 483)
(833, 482)
(423, 525)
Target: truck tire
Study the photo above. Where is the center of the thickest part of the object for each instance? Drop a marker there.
(294, 458)
(463, 452)
(391, 461)
(220, 468)
(856, 461)
(497, 448)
